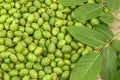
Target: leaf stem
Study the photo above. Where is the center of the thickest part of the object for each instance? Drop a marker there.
(115, 16)
(100, 50)
(115, 37)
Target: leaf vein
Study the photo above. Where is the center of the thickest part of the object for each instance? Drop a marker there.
(90, 66)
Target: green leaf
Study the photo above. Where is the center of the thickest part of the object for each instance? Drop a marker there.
(71, 2)
(116, 76)
(116, 45)
(118, 59)
(87, 67)
(87, 36)
(109, 66)
(88, 11)
(105, 30)
(112, 4)
(107, 18)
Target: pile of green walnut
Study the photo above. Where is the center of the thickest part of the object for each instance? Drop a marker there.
(34, 41)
